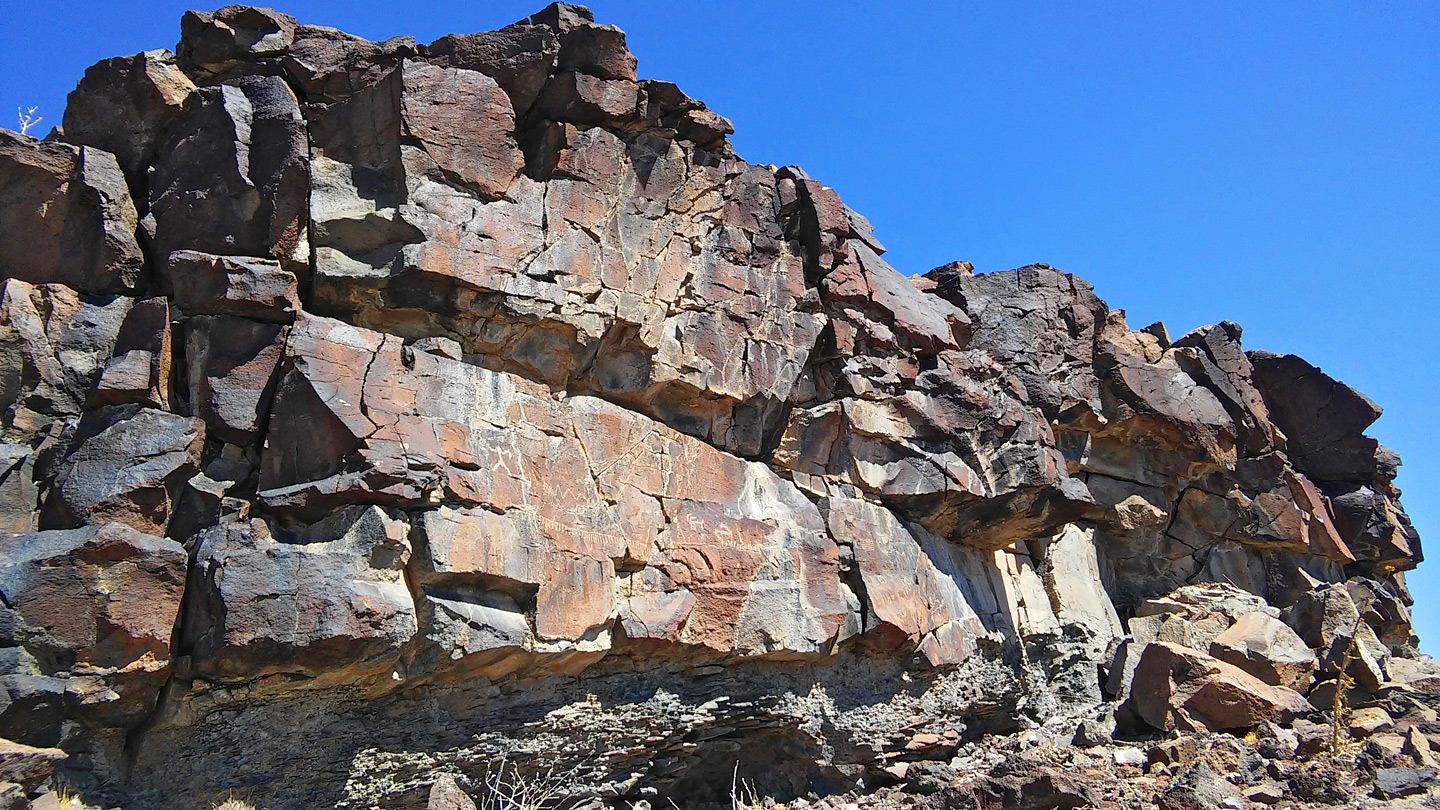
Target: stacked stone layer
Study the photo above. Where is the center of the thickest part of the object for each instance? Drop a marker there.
(364, 371)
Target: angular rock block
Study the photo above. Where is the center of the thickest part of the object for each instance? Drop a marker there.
(139, 370)
(54, 344)
(910, 603)
(1076, 588)
(87, 619)
(126, 467)
(1327, 619)
(73, 207)
(221, 44)
(1176, 687)
(463, 121)
(325, 605)
(27, 766)
(1268, 649)
(123, 106)
(203, 284)
(232, 363)
(231, 176)
(1324, 420)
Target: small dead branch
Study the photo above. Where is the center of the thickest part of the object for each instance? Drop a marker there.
(1340, 705)
(742, 795)
(507, 788)
(28, 119)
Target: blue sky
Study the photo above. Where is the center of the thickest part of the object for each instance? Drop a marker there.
(1275, 164)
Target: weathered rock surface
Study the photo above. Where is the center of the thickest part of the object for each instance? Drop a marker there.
(911, 599)
(87, 620)
(26, 765)
(231, 175)
(1268, 649)
(74, 211)
(126, 466)
(54, 344)
(482, 402)
(1176, 687)
(123, 106)
(231, 363)
(328, 602)
(202, 284)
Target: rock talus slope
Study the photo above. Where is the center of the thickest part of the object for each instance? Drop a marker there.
(374, 409)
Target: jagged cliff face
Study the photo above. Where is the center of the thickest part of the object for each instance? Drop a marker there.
(374, 408)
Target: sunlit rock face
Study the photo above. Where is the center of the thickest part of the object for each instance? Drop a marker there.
(370, 409)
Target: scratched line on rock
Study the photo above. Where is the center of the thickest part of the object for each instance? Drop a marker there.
(575, 529)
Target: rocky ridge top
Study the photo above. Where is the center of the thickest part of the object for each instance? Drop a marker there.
(389, 408)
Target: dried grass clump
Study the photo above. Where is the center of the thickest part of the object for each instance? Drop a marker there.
(508, 788)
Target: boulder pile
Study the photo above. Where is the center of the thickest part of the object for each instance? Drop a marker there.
(375, 412)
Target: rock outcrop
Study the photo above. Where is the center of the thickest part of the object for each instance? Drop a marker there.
(375, 412)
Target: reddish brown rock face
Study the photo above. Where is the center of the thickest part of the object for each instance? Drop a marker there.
(1180, 688)
(466, 377)
(643, 272)
(911, 603)
(73, 207)
(556, 495)
(1268, 649)
(89, 613)
(464, 123)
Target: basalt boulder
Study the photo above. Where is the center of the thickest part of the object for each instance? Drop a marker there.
(88, 617)
(126, 466)
(1268, 649)
(74, 210)
(324, 604)
(1176, 687)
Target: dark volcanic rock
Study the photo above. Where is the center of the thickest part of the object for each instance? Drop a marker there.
(326, 603)
(140, 367)
(232, 364)
(231, 175)
(125, 468)
(87, 620)
(123, 106)
(1324, 420)
(1393, 783)
(506, 423)
(225, 43)
(203, 284)
(75, 212)
(54, 344)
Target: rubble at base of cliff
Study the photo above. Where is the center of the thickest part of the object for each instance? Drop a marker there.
(401, 425)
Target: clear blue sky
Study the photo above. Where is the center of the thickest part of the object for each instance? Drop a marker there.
(1275, 164)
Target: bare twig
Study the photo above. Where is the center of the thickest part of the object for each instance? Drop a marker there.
(28, 119)
(1340, 705)
(507, 788)
(742, 796)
